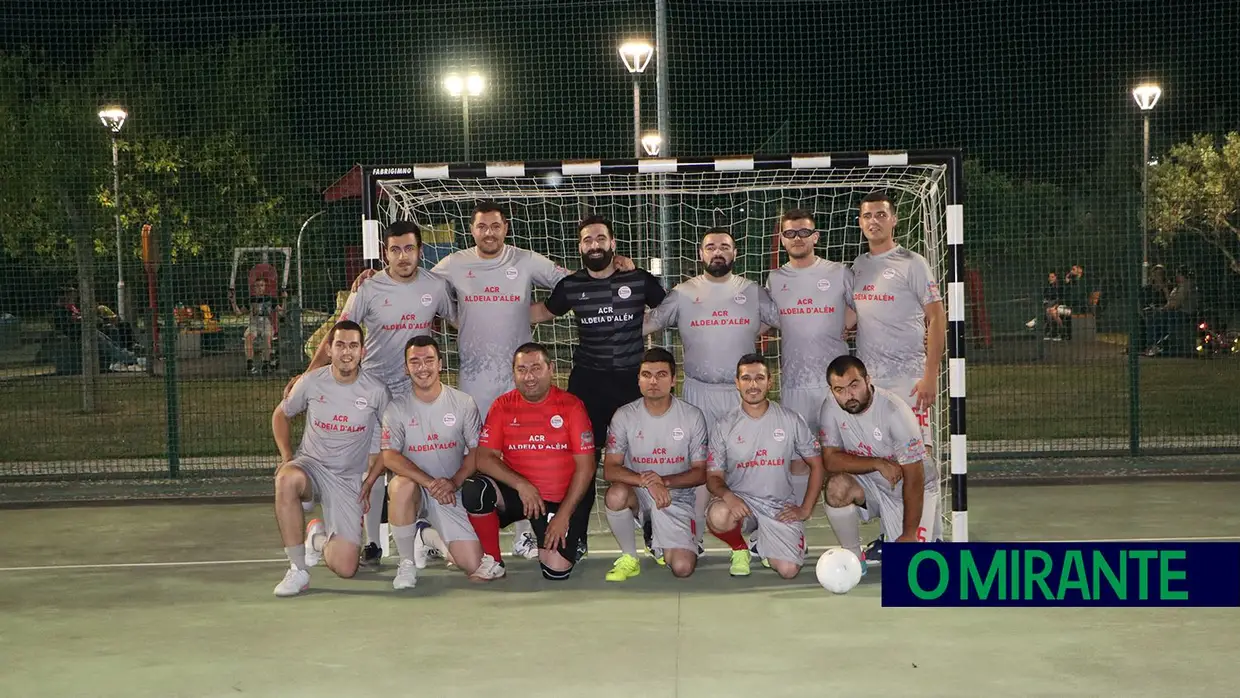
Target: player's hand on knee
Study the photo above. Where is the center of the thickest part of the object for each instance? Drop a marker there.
(531, 501)
(364, 497)
(891, 472)
(443, 490)
(736, 506)
(557, 533)
(793, 513)
(661, 495)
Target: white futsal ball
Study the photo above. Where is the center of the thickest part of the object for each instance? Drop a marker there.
(838, 570)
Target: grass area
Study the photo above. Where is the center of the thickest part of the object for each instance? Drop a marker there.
(232, 417)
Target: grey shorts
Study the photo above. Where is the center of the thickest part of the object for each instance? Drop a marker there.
(450, 521)
(776, 540)
(260, 328)
(714, 399)
(886, 502)
(342, 513)
(672, 527)
(806, 402)
(485, 389)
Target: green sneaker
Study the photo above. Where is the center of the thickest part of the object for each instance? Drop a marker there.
(626, 567)
(740, 563)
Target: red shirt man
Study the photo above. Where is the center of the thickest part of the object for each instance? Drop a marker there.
(536, 462)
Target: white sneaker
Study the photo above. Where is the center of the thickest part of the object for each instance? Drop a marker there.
(314, 528)
(295, 582)
(406, 575)
(525, 544)
(427, 544)
(488, 570)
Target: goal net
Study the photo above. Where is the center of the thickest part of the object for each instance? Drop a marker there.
(659, 210)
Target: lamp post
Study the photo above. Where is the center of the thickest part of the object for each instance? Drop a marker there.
(1146, 96)
(464, 87)
(636, 56)
(113, 117)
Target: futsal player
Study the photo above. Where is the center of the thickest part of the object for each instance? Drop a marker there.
(876, 461)
(430, 442)
(901, 321)
(394, 306)
(343, 407)
(535, 463)
(609, 306)
(656, 457)
(720, 316)
(754, 452)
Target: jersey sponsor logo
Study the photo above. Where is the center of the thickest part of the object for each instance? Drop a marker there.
(889, 273)
(720, 318)
(449, 419)
(340, 423)
(658, 456)
(761, 459)
(739, 299)
(433, 444)
(557, 421)
(492, 294)
(823, 284)
(678, 434)
(605, 313)
(426, 299)
(321, 398)
(639, 435)
(361, 403)
(486, 433)
(933, 289)
(387, 302)
(587, 439)
(878, 435)
(510, 273)
(867, 294)
(861, 449)
(583, 296)
(697, 300)
(413, 422)
(805, 306)
(779, 435)
(624, 292)
(408, 321)
(784, 288)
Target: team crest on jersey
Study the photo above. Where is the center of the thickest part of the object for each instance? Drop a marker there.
(889, 273)
(557, 421)
(426, 299)
(739, 298)
(878, 435)
(824, 284)
(624, 292)
(449, 419)
(779, 435)
(678, 434)
(511, 273)
(361, 403)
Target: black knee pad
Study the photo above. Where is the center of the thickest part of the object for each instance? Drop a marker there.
(555, 575)
(478, 495)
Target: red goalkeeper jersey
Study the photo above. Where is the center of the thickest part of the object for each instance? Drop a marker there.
(538, 440)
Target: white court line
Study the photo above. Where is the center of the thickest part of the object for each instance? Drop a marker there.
(593, 553)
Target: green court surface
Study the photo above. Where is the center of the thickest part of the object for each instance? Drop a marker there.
(176, 600)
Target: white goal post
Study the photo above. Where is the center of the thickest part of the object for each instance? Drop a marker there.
(660, 206)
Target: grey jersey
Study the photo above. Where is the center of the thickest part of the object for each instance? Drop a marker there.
(890, 292)
(392, 313)
(887, 429)
(667, 444)
(718, 322)
(811, 303)
(755, 455)
(493, 308)
(434, 435)
(341, 418)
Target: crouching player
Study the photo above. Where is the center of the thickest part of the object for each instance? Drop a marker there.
(429, 441)
(754, 454)
(343, 407)
(875, 460)
(535, 462)
(656, 457)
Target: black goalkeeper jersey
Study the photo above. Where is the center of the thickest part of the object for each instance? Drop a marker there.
(609, 316)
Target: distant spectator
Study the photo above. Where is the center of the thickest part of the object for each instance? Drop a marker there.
(1052, 295)
(1173, 316)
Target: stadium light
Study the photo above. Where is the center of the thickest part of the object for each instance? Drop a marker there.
(651, 143)
(1146, 95)
(113, 118)
(464, 87)
(636, 56)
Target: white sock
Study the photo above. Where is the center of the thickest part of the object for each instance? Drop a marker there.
(847, 526)
(296, 556)
(404, 536)
(374, 517)
(623, 527)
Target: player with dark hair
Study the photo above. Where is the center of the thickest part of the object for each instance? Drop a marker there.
(535, 462)
(875, 459)
(901, 321)
(656, 458)
(343, 405)
(754, 452)
(430, 442)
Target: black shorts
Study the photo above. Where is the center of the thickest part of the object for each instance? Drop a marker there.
(603, 392)
(513, 511)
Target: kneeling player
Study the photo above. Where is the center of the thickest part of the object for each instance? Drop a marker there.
(656, 457)
(425, 436)
(536, 463)
(754, 454)
(343, 406)
(876, 461)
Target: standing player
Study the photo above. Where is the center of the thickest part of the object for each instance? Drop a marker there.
(876, 461)
(398, 304)
(720, 316)
(430, 442)
(901, 322)
(609, 306)
(656, 457)
(343, 405)
(754, 453)
(536, 463)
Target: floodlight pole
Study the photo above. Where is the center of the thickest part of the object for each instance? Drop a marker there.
(465, 120)
(465, 87)
(636, 56)
(637, 117)
(113, 118)
(1146, 96)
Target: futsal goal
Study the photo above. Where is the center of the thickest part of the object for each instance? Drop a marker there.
(659, 209)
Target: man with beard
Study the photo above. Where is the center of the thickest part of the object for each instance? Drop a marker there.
(876, 461)
(609, 306)
(720, 316)
(755, 451)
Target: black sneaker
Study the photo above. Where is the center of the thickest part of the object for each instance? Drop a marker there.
(371, 555)
(873, 553)
(648, 536)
